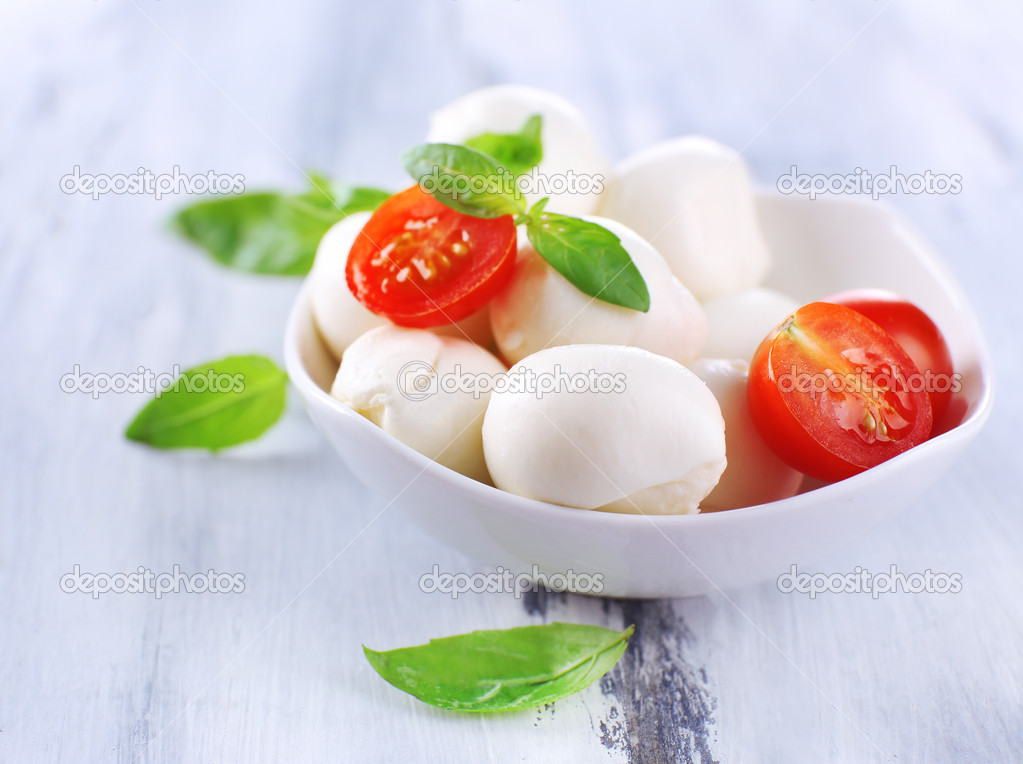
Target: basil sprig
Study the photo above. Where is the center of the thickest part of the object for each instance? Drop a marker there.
(504, 669)
(588, 255)
(519, 152)
(214, 405)
(269, 232)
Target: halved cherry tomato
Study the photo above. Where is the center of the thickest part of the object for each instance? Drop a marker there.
(828, 393)
(915, 331)
(421, 263)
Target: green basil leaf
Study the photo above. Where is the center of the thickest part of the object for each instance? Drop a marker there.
(351, 199)
(272, 233)
(464, 179)
(214, 405)
(519, 152)
(504, 669)
(343, 198)
(589, 256)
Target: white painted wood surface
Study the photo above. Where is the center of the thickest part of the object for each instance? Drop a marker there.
(276, 673)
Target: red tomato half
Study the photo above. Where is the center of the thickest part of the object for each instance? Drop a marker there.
(915, 331)
(420, 263)
(827, 392)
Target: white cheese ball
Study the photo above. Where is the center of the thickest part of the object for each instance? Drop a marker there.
(754, 475)
(737, 323)
(569, 145)
(643, 435)
(692, 199)
(540, 308)
(392, 376)
(339, 317)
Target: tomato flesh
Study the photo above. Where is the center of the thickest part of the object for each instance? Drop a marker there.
(421, 263)
(831, 393)
(914, 330)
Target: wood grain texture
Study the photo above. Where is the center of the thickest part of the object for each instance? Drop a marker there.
(276, 673)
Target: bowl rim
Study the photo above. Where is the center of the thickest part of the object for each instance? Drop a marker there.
(484, 493)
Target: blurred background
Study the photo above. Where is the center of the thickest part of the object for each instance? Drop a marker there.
(269, 90)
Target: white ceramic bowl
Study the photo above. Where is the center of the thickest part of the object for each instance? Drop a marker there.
(820, 247)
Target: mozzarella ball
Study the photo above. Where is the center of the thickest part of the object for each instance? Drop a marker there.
(754, 475)
(737, 323)
(605, 427)
(692, 199)
(569, 145)
(540, 308)
(394, 377)
(339, 317)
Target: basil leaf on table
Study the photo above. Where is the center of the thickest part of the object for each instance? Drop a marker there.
(214, 405)
(268, 232)
(464, 179)
(589, 256)
(519, 152)
(503, 669)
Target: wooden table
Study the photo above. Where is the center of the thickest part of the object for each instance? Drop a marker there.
(276, 673)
